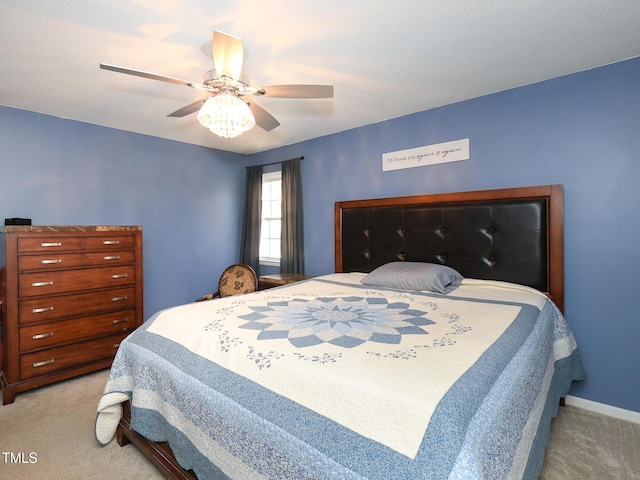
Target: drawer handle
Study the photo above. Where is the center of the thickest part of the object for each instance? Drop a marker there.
(118, 299)
(119, 275)
(51, 244)
(49, 262)
(42, 335)
(111, 257)
(42, 310)
(45, 362)
(111, 242)
(42, 284)
(120, 320)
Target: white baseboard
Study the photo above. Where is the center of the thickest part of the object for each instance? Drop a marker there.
(604, 409)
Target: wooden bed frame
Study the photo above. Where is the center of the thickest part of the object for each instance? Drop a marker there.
(159, 453)
(551, 196)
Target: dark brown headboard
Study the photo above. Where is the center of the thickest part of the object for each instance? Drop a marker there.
(513, 235)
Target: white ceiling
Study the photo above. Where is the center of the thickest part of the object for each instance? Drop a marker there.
(386, 58)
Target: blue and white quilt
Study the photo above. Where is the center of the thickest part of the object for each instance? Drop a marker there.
(330, 378)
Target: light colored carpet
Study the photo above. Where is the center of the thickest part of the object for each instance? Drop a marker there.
(43, 421)
(56, 424)
(589, 446)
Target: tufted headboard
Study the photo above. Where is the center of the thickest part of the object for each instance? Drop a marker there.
(513, 235)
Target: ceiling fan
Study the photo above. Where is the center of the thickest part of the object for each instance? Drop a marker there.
(227, 111)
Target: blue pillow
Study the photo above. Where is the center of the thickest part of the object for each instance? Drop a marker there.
(415, 276)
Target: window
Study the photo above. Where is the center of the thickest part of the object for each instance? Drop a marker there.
(271, 219)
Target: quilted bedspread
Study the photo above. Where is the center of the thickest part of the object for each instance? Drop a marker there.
(329, 378)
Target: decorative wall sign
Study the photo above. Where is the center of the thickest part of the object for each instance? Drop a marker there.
(427, 155)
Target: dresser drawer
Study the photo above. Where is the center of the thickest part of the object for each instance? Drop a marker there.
(109, 242)
(48, 244)
(119, 257)
(59, 261)
(49, 262)
(35, 310)
(59, 358)
(67, 331)
(51, 283)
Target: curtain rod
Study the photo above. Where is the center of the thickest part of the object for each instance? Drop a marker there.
(282, 161)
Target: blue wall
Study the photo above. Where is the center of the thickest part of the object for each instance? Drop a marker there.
(582, 131)
(188, 199)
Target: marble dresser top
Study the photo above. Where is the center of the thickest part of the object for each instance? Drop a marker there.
(70, 228)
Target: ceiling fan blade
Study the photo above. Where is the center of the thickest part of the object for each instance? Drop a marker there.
(152, 76)
(264, 119)
(298, 91)
(188, 109)
(227, 55)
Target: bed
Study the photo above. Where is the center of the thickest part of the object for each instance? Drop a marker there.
(438, 349)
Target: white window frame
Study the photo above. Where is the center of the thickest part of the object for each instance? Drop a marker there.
(270, 214)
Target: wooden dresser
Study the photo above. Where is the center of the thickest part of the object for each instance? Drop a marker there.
(68, 296)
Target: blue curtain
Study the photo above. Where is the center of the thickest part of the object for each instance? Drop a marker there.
(292, 238)
(250, 248)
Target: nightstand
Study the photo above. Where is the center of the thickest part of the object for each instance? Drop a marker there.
(279, 279)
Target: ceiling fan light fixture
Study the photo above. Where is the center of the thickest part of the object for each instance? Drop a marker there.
(226, 115)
